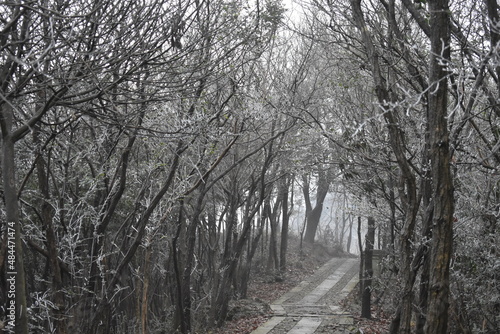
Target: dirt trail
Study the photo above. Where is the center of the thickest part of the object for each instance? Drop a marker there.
(313, 305)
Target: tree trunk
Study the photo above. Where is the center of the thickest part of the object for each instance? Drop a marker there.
(16, 293)
(424, 275)
(442, 231)
(284, 224)
(176, 259)
(251, 253)
(189, 262)
(349, 237)
(231, 256)
(315, 214)
(406, 240)
(426, 186)
(410, 200)
(146, 273)
(494, 18)
(219, 307)
(392, 219)
(272, 261)
(361, 263)
(368, 270)
(342, 232)
(47, 215)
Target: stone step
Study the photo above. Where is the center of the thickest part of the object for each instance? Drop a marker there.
(326, 267)
(268, 325)
(306, 325)
(295, 309)
(328, 283)
(307, 309)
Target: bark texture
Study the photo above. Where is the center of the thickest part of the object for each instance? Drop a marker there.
(442, 229)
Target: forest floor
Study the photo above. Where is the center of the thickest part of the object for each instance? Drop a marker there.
(248, 314)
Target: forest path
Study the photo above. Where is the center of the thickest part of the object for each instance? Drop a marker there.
(313, 305)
